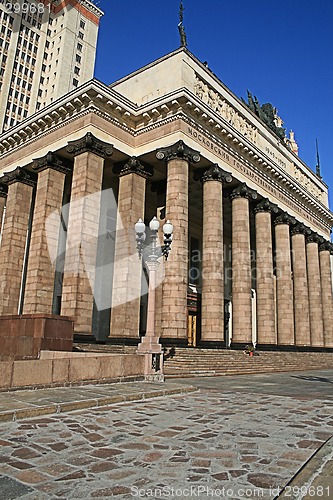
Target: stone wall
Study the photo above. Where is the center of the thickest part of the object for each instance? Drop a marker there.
(63, 369)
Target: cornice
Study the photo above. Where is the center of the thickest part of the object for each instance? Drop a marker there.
(288, 189)
(102, 101)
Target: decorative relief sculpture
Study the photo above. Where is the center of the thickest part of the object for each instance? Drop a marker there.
(216, 102)
(304, 180)
(265, 112)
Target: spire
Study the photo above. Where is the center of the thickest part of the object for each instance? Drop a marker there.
(183, 42)
(318, 173)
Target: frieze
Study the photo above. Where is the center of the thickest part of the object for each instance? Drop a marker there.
(253, 174)
(217, 103)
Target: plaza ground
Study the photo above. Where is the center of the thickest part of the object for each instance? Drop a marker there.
(235, 437)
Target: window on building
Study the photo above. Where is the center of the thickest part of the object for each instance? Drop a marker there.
(81, 35)
(79, 47)
(82, 24)
(77, 70)
(78, 58)
(75, 82)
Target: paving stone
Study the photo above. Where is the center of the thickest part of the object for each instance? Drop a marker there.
(10, 488)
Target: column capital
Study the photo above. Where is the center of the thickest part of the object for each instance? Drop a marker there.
(20, 174)
(314, 238)
(3, 191)
(90, 143)
(133, 166)
(178, 150)
(326, 246)
(285, 218)
(243, 191)
(50, 160)
(212, 173)
(266, 205)
(300, 229)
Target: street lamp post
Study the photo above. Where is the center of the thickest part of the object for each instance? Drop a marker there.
(150, 346)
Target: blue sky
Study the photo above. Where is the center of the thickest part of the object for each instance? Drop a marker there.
(281, 50)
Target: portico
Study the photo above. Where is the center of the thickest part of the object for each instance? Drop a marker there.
(251, 220)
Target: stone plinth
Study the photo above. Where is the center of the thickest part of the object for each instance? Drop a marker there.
(24, 336)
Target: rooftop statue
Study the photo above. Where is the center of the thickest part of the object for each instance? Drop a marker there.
(268, 114)
(181, 29)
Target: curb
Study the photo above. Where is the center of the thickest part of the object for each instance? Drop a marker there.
(58, 408)
(313, 474)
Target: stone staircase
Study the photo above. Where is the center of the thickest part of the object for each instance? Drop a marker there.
(194, 362)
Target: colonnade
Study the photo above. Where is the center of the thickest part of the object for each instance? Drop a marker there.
(292, 265)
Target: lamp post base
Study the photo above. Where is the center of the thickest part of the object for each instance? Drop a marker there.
(153, 352)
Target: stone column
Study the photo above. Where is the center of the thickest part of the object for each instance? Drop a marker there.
(326, 289)
(212, 297)
(266, 327)
(82, 233)
(39, 287)
(14, 238)
(241, 266)
(314, 287)
(3, 196)
(174, 312)
(126, 290)
(284, 282)
(301, 291)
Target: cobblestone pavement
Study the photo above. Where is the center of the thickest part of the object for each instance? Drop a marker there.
(239, 437)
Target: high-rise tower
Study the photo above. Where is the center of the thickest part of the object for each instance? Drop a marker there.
(46, 50)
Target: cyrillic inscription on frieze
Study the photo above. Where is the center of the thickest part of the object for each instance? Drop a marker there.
(218, 104)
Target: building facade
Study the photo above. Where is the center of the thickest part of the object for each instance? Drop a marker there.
(251, 251)
(46, 50)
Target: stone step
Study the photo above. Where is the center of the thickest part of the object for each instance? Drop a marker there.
(210, 362)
